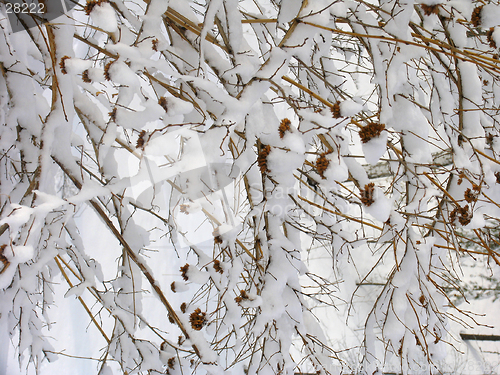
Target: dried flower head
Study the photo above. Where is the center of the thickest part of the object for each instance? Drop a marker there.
(217, 266)
(422, 299)
(163, 102)
(322, 164)
(171, 319)
(183, 307)
(172, 286)
(141, 141)
(336, 110)
(197, 319)
(284, 127)
(470, 196)
(372, 130)
(62, 64)
(3, 259)
(475, 18)
(163, 346)
(155, 44)
(367, 194)
(91, 4)
(184, 208)
(184, 270)
(85, 76)
(112, 115)
(171, 362)
(489, 37)
(262, 158)
(242, 297)
(464, 216)
(430, 9)
(106, 70)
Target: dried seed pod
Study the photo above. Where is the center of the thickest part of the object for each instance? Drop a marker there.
(242, 297)
(62, 64)
(430, 9)
(171, 362)
(372, 130)
(284, 127)
(367, 194)
(106, 70)
(184, 208)
(91, 4)
(262, 158)
(155, 44)
(184, 270)
(489, 37)
(163, 102)
(497, 175)
(217, 266)
(112, 115)
(3, 259)
(422, 299)
(197, 319)
(163, 346)
(322, 164)
(470, 196)
(183, 307)
(475, 18)
(336, 110)
(170, 319)
(172, 286)
(141, 141)
(85, 76)
(465, 216)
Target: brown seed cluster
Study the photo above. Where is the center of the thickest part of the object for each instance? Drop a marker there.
(242, 297)
(106, 70)
(471, 195)
(218, 240)
(430, 9)
(85, 76)
(155, 44)
(3, 259)
(163, 102)
(197, 319)
(489, 37)
(184, 270)
(464, 216)
(475, 18)
(91, 4)
(336, 110)
(372, 130)
(62, 64)
(217, 266)
(422, 299)
(284, 127)
(262, 158)
(141, 141)
(171, 362)
(322, 164)
(367, 194)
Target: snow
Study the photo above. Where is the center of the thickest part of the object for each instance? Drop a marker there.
(103, 16)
